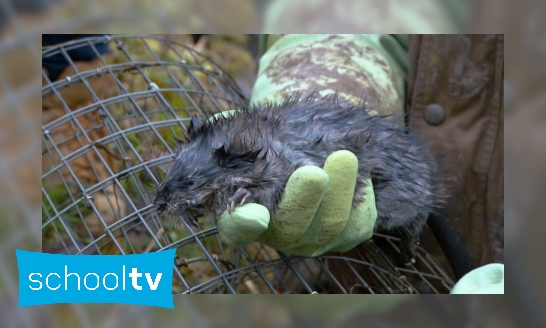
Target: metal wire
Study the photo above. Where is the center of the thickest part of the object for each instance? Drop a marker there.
(102, 159)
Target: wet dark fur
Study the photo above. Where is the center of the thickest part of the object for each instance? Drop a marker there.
(259, 148)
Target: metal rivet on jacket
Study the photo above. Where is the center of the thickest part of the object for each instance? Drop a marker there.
(435, 114)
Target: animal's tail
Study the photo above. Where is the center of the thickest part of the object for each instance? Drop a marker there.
(451, 242)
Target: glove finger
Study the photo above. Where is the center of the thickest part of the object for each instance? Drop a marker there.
(243, 225)
(487, 279)
(335, 208)
(302, 196)
(360, 225)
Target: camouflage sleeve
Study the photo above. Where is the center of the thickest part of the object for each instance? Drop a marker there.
(371, 67)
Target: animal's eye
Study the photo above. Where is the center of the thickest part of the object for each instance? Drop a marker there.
(189, 183)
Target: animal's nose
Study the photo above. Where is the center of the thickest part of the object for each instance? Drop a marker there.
(162, 196)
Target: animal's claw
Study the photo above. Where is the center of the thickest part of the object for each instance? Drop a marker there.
(231, 207)
(412, 261)
(240, 196)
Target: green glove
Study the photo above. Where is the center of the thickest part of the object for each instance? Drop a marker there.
(315, 214)
(488, 279)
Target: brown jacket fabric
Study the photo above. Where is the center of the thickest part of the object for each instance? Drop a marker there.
(463, 74)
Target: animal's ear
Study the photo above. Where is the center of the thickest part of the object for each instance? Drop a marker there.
(195, 126)
(220, 154)
(230, 159)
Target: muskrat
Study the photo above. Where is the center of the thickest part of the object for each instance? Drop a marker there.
(248, 157)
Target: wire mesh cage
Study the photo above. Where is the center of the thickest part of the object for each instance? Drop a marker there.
(108, 136)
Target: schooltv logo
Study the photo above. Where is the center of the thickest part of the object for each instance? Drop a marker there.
(144, 279)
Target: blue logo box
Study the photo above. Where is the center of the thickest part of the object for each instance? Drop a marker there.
(144, 279)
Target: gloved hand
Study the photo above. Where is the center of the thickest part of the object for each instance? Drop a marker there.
(488, 279)
(315, 214)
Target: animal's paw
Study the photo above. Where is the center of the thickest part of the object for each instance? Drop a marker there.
(407, 250)
(240, 196)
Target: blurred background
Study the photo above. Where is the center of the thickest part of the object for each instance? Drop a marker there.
(23, 21)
